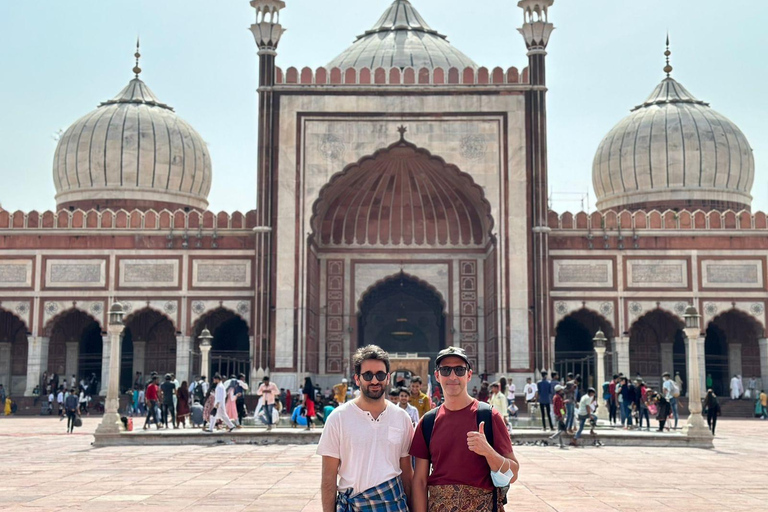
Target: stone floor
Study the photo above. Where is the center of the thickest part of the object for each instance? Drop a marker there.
(43, 469)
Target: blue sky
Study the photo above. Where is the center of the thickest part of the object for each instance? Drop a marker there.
(60, 59)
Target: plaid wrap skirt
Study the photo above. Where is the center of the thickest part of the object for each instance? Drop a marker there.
(388, 496)
(461, 498)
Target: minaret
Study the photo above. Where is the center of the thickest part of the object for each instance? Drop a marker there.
(267, 32)
(536, 30)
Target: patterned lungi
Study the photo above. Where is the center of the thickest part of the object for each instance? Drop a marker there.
(388, 496)
(461, 498)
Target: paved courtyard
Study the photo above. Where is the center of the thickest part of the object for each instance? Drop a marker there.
(44, 469)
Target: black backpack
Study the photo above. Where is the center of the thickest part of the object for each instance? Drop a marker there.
(484, 414)
(199, 395)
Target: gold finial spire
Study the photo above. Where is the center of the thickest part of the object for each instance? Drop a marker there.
(668, 68)
(136, 68)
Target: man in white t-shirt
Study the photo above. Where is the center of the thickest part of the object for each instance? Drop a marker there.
(529, 390)
(365, 444)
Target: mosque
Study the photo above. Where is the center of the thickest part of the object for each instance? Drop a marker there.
(402, 201)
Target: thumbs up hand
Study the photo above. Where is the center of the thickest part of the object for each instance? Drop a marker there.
(477, 442)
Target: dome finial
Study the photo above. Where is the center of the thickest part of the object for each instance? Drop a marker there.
(668, 68)
(136, 68)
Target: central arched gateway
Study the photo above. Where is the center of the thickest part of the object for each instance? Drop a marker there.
(399, 213)
(402, 315)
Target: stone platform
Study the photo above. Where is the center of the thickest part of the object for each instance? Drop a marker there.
(249, 435)
(195, 436)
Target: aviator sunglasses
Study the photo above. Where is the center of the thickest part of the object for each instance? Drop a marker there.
(445, 371)
(380, 376)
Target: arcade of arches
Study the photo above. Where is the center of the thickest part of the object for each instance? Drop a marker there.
(734, 343)
(75, 344)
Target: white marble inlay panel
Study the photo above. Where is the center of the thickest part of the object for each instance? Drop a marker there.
(657, 273)
(583, 273)
(15, 273)
(60, 273)
(160, 273)
(221, 273)
(732, 274)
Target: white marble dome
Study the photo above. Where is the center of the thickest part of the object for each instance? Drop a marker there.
(674, 151)
(133, 151)
(401, 38)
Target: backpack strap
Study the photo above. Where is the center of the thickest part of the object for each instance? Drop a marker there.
(428, 423)
(485, 414)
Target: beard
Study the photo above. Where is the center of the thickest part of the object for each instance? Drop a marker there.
(372, 394)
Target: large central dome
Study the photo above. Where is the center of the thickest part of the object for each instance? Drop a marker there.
(401, 38)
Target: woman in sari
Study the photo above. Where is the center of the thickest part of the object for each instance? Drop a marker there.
(182, 404)
(232, 399)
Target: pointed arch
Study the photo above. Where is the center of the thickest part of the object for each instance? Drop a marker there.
(656, 345)
(731, 347)
(401, 195)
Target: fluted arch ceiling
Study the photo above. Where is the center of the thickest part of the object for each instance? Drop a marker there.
(402, 196)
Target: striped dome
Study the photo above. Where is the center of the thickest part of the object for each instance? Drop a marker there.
(674, 151)
(401, 38)
(133, 151)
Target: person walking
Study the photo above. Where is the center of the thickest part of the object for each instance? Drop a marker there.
(269, 391)
(364, 445)
(736, 388)
(499, 402)
(219, 405)
(585, 414)
(712, 406)
(240, 388)
(463, 476)
(168, 389)
(182, 404)
(663, 410)
(544, 396)
(626, 394)
(613, 404)
(671, 394)
(71, 406)
(309, 402)
(641, 401)
(419, 399)
(558, 404)
(569, 396)
(151, 396)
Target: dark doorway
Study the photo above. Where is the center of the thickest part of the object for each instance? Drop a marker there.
(89, 357)
(230, 347)
(575, 350)
(403, 315)
(716, 359)
(679, 362)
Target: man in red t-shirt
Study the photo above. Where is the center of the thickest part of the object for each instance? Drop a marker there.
(151, 397)
(461, 473)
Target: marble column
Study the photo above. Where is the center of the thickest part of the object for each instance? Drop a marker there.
(763, 342)
(734, 360)
(602, 411)
(667, 359)
(110, 422)
(621, 348)
(205, 361)
(105, 356)
(183, 347)
(139, 358)
(695, 425)
(5, 366)
(37, 361)
(73, 353)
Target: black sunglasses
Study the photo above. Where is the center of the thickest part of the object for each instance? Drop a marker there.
(445, 371)
(380, 376)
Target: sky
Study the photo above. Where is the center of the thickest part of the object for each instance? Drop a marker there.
(61, 59)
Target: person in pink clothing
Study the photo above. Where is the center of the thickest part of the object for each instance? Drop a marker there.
(231, 399)
(269, 391)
